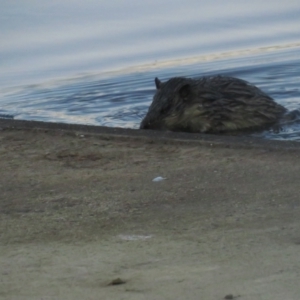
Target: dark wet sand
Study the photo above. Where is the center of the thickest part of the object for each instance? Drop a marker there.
(79, 209)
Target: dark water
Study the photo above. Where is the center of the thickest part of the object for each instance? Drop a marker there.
(101, 71)
(121, 100)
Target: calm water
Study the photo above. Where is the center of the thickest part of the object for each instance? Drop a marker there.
(94, 62)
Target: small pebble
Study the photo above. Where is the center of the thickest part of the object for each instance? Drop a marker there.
(117, 281)
(230, 296)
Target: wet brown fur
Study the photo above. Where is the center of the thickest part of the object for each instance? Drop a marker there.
(216, 104)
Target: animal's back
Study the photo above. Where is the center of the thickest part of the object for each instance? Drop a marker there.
(212, 105)
(233, 104)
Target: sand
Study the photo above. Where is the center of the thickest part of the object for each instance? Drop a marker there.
(79, 209)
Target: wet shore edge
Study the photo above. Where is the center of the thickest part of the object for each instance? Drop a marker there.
(151, 136)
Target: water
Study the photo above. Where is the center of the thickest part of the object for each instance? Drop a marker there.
(94, 62)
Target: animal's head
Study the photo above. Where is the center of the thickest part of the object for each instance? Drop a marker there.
(169, 104)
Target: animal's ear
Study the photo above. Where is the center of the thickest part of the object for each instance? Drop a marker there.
(157, 83)
(184, 91)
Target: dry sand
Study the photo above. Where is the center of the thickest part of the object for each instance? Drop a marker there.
(79, 209)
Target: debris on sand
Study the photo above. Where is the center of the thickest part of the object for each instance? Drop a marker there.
(117, 281)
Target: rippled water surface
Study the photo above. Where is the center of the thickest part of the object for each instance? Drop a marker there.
(94, 62)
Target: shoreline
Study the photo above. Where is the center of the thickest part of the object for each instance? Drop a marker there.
(156, 136)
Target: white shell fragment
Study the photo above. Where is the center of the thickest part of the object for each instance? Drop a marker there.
(134, 237)
(159, 178)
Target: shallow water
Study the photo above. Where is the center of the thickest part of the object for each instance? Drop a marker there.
(95, 62)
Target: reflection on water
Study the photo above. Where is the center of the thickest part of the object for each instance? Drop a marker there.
(95, 63)
(42, 40)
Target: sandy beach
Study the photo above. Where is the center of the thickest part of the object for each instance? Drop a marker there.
(79, 209)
